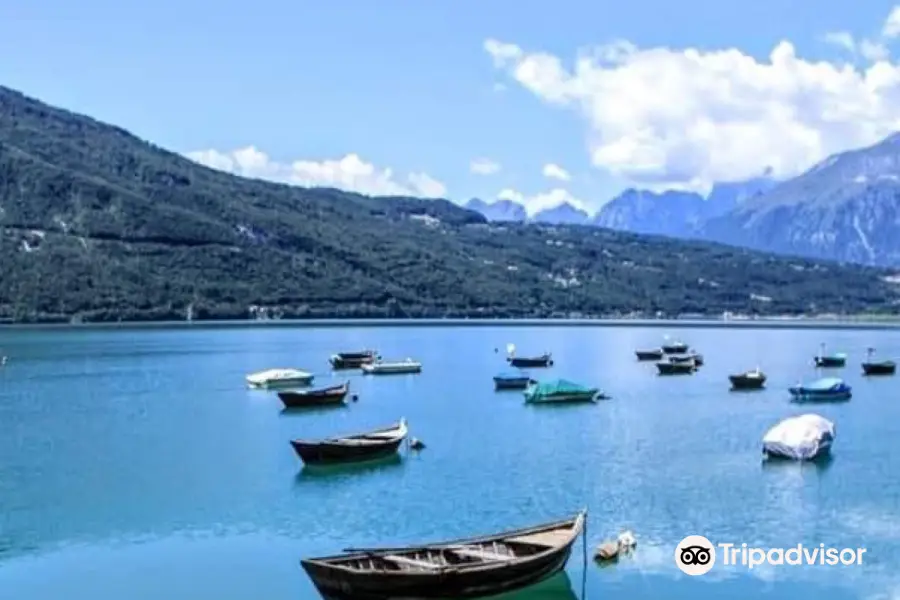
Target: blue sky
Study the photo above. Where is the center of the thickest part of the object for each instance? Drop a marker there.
(404, 85)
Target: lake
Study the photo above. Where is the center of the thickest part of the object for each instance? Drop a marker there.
(134, 463)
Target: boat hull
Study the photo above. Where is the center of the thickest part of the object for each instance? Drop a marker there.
(830, 362)
(539, 361)
(777, 453)
(457, 585)
(675, 349)
(332, 453)
(512, 384)
(562, 398)
(476, 579)
(880, 368)
(676, 368)
(649, 354)
(743, 382)
(697, 359)
(305, 400)
(273, 384)
(814, 396)
(376, 369)
(352, 361)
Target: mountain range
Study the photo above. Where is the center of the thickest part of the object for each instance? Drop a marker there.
(846, 208)
(99, 225)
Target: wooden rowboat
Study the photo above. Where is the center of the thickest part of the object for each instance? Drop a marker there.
(352, 448)
(326, 396)
(469, 568)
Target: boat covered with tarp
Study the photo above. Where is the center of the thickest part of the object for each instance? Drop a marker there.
(822, 390)
(272, 378)
(805, 437)
(560, 390)
(468, 568)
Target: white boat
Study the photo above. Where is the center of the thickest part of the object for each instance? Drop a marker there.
(806, 437)
(392, 367)
(271, 378)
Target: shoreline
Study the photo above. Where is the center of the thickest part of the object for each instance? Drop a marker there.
(848, 323)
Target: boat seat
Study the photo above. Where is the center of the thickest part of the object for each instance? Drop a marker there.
(480, 554)
(411, 562)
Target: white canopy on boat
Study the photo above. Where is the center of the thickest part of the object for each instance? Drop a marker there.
(802, 438)
(276, 375)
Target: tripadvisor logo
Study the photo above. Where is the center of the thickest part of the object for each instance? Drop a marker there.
(696, 555)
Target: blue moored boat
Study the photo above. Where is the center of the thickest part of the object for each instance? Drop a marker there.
(512, 380)
(829, 389)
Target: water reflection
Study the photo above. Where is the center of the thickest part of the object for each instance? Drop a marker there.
(819, 465)
(558, 587)
(330, 470)
(313, 410)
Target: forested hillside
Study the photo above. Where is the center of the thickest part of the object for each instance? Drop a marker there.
(97, 225)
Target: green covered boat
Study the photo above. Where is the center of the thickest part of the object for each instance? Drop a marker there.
(560, 390)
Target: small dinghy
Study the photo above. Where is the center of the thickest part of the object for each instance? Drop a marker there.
(512, 380)
(668, 367)
(560, 391)
(751, 380)
(352, 360)
(325, 396)
(676, 347)
(654, 354)
(683, 358)
(805, 437)
(829, 361)
(394, 367)
(543, 360)
(468, 568)
(882, 367)
(829, 389)
(352, 448)
(273, 378)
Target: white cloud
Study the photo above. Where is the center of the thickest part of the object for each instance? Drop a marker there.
(483, 166)
(349, 173)
(842, 39)
(873, 51)
(891, 27)
(542, 201)
(685, 118)
(554, 171)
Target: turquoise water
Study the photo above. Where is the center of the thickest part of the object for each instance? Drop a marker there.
(135, 464)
